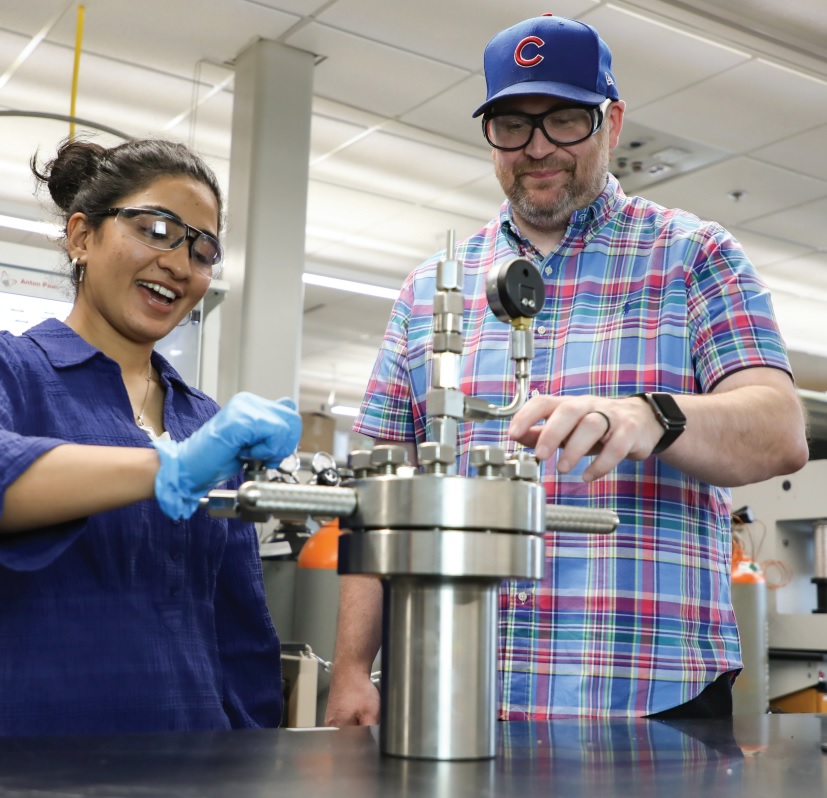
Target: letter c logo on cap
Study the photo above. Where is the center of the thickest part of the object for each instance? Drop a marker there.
(518, 52)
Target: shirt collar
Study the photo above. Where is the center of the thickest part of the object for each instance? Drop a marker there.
(64, 348)
(585, 222)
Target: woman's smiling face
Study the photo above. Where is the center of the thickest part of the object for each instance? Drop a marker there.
(134, 289)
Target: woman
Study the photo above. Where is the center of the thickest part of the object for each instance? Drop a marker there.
(123, 606)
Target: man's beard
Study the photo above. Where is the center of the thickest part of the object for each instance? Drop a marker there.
(579, 191)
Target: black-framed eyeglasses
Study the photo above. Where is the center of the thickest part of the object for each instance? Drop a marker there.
(512, 130)
(161, 230)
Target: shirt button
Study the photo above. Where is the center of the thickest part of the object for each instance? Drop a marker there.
(548, 271)
(522, 595)
(541, 330)
(535, 392)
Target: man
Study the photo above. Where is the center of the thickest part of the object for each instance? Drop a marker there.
(656, 352)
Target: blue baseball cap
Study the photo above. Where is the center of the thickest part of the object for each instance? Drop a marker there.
(549, 55)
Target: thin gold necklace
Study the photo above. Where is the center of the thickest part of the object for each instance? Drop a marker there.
(139, 419)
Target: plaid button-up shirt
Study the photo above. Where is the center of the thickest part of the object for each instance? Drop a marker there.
(638, 298)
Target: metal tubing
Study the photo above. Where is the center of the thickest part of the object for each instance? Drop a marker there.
(439, 654)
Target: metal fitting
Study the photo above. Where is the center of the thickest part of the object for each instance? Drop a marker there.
(448, 275)
(448, 342)
(386, 458)
(445, 372)
(436, 457)
(448, 302)
(443, 429)
(444, 402)
(524, 467)
(488, 460)
(254, 470)
(359, 462)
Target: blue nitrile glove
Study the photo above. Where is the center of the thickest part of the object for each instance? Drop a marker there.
(248, 426)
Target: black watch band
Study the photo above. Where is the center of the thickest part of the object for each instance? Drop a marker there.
(668, 414)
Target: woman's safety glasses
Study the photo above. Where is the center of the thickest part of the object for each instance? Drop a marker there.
(161, 230)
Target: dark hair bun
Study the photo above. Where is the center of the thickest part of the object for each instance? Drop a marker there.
(74, 165)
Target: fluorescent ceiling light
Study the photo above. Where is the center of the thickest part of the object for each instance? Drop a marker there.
(350, 285)
(45, 228)
(344, 410)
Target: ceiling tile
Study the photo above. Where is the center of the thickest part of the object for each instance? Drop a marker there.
(430, 27)
(172, 36)
(765, 250)
(808, 270)
(208, 129)
(397, 167)
(346, 210)
(682, 59)
(480, 199)
(378, 261)
(804, 224)
(449, 113)
(351, 71)
(30, 18)
(327, 135)
(428, 227)
(805, 153)
(122, 96)
(799, 23)
(766, 189)
(746, 107)
(330, 109)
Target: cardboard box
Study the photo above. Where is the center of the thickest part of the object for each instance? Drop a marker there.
(317, 433)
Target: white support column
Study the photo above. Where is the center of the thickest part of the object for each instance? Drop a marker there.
(261, 318)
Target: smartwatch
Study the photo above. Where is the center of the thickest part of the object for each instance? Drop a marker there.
(669, 415)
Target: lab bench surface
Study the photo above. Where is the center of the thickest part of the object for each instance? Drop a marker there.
(761, 756)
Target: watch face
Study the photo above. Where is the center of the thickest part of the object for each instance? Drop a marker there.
(669, 414)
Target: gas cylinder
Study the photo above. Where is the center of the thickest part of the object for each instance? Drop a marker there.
(316, 600)
(751, 692)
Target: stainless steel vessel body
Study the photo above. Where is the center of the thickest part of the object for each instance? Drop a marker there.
(442, 545)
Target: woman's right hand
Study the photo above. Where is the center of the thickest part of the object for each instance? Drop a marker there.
(248, 426)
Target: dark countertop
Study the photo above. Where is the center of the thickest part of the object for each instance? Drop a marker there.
(765, 756)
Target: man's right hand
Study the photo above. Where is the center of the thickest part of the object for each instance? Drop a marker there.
(353, 700)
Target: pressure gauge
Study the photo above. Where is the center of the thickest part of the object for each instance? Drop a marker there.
(515, 290)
